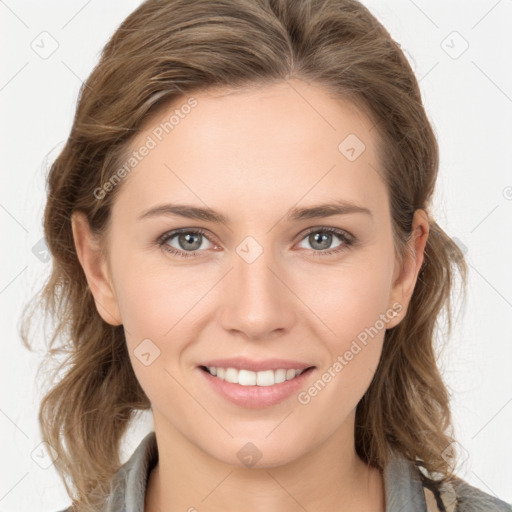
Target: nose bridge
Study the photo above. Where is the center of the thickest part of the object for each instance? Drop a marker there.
(257, 302)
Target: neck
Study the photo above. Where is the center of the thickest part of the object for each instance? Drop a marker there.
(330, 477)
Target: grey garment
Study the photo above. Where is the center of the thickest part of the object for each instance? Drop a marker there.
(403, 484)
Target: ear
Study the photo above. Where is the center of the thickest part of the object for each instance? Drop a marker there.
(406, 273)
(95, 266)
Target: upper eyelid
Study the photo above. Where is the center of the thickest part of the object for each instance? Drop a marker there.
(168, 235)
(175, 232)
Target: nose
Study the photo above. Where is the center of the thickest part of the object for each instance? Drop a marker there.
(258, 302)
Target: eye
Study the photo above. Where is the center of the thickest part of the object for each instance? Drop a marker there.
(321, 238)
(189, 242)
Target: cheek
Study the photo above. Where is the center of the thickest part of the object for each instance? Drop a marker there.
(157, 309)
(355, 309)
(162, 311)
(352, 299)
(153, 298)
(141, 299)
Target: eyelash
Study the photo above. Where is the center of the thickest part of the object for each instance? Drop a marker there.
(348, 241)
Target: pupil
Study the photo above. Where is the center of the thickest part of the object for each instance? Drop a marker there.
(187, 239)
(326, 238)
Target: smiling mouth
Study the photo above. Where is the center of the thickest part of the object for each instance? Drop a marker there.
(250, 378)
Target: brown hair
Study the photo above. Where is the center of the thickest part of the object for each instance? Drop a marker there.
(168, 49)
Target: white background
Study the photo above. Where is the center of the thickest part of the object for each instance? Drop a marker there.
(469, 101)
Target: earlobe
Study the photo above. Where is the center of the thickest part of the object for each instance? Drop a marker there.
(94, 264)
(405, 282)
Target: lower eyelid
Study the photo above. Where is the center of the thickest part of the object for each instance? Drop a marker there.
(166, 237)
(345, 242)
(345, 238)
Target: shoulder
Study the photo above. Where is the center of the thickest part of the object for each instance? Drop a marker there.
(128, 485)
(409, 486)
(459, 496)
(472, 499)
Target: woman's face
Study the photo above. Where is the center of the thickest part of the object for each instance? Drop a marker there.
(277, 285)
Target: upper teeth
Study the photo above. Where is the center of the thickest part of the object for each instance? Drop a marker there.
(249, 378)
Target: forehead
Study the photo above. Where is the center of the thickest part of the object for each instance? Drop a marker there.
(288, 141)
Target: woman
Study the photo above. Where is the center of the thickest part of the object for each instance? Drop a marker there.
(242, 243)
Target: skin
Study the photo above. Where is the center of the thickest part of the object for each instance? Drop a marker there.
(252, 154)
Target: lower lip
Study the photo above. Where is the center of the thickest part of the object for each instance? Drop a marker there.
(254, 397)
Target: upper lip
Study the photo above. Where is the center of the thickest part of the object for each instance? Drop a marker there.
(245, 363)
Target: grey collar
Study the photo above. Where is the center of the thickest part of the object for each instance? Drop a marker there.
(402, 483)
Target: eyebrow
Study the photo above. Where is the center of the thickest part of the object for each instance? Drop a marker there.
(294, 214)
